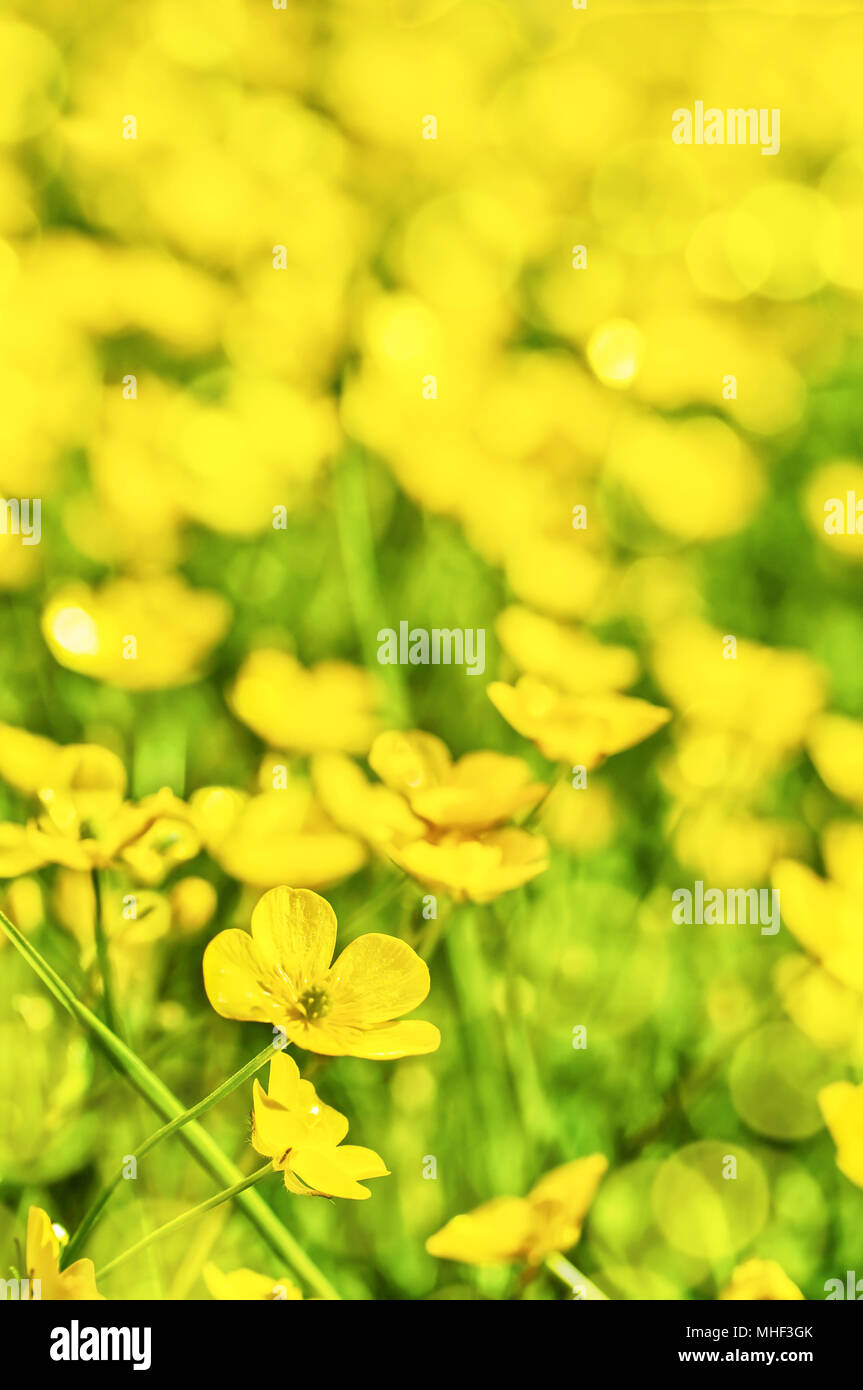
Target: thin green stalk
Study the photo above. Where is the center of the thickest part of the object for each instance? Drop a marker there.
(356, 541)
(205, 1149)
(171, 1227)
(103, 955)
(579, 1285)
(76, 1243)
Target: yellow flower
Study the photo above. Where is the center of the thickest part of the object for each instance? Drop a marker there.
(757, 1280)
(367, 809)
(85, 823)
(842, 1107)
(836, 748)
(327, 708)
(478, 868)
(264, 840)
(193, 902)
(137, 634)
(282, 975)
(763, 694)
(564, 656)
(243, 1285)
(26, 760)
(475, 793)
(582, 730)
(528, 1228)
(43, 1263)
(825, 918)
(304, 1138)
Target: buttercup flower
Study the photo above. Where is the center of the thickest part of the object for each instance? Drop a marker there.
(368, 809)
(43, 1263)
(564, 656)
(173, 627)
(86, 824)
(304, 1138)
(264, 840)
(528, 1228)
(476, 792)
(330, 707)
(478, 868)
(282, 975)
(756, 1280)
(575, 729)
(244, 1285)
(842, 1107)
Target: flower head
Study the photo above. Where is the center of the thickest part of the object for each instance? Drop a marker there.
(842, 1107)
(476, 792)
(245, 1285)
(304, 1137)
(282, 975)
(43, 1263)
(474, 868)
(574, 728)
(329, 707)
(757, 1280)
(528, 1228)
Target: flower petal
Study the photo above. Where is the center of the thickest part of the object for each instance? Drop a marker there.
(321, 1170)
(236, 980)
(376, 978)
(385, 1041)
(275, 1130)
(295, 929)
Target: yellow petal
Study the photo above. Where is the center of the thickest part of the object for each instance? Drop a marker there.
(275, 1130)
(842, 1107)
(237, 980)
(385, 1041)
(26, 760)
(18, 853)
(409, 762)
(245, 1285)
(494, 1233)
(376, 978)
(295, 930)
(756, 1280)
(322, 1171)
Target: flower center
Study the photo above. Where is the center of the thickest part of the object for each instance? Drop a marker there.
(314, 1002)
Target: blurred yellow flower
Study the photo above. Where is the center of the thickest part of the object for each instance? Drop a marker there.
(78, 1282)
(329, 707)
(139, 634)
(528, 1228)
(842, 1107)
(368, 809)
(304, 1138)
(564, 656)
(477, 867)
(756, 1280)
(245, 1285)
(836, 748)
(276, 836)
(476, 792)
(767, 695)
(583, 730)
(193, 901)
(825, 918)
(282, 975)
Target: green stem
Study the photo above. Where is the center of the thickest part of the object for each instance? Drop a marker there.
(579, 1285)
(179, 1222)
(205, 1149)
(76, 1243)
(103, 956)
(356, 541)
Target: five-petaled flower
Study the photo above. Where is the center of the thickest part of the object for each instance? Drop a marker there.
(304, 1138)
(282, 975)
